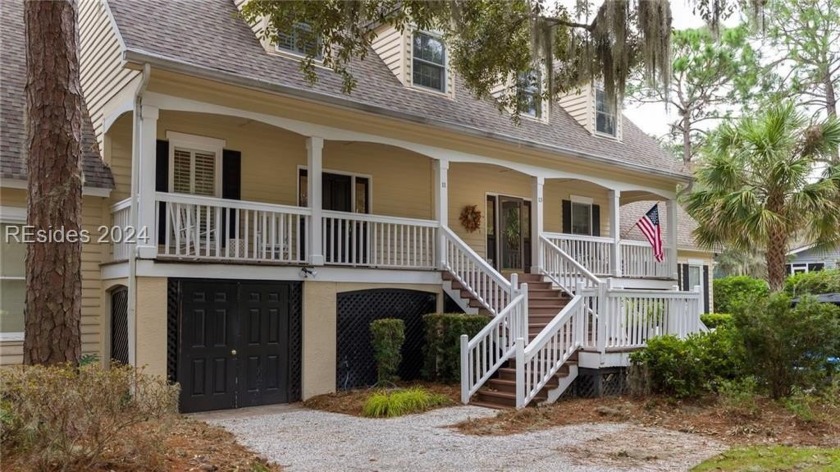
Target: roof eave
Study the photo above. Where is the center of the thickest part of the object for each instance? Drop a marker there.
(140, 57)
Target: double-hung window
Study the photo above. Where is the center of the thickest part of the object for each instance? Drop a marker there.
(604, 116)
(194, 172)
(529, 93)
(429, 62)
(581, 218)
(12, 276)
(297, 41)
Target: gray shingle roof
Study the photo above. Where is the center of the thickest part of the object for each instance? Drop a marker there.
(13, 104)
(209, 37)
(632, 212)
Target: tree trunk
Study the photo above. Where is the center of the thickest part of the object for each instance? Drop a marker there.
(776, 257)
(686, 129)
(54, 111)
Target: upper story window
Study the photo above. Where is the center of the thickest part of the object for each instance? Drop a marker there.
(429, 62)
(530, 90)
(294, 41)
(12, 280)
(604, 118)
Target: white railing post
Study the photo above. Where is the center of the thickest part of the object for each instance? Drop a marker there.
(520, 373)
(146, 195)
(441, 197)
(314, 197)
(671, 244)
(605, 308)
(537, 222)
(615, 232)
(580, 317)
(466, 379)
(698, 311)
(523, 289)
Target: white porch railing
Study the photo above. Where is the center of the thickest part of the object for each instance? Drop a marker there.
(631, 317)
(637, 261)
(478, 277)
(357, 239)
(563, 269)
(121, 247)
(482, 355)
(593, 252)
(212, 228)
(537, 363)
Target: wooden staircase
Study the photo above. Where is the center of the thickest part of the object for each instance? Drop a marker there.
(544, 303)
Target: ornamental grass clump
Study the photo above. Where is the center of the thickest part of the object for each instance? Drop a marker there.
(384, 404)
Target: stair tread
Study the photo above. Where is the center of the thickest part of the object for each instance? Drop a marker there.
(494, 406)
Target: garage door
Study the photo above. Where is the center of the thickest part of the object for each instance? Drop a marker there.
(235, 343)
(356, 365)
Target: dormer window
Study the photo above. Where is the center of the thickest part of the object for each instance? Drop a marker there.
(295, 41)
(604, 118)
(529, 90)
(429, 62)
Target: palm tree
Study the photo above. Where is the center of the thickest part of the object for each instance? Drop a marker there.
(756, 188)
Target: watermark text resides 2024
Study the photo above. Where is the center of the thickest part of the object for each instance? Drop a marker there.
(27, 234)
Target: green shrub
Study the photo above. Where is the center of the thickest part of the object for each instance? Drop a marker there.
(688, 367)
(801, 405)
(738, 396)
(732, 291)
(442, 351)
(716, 320)
(814, 283)
(788, 347)
(63, 417)
(402, 402)
(388, 337)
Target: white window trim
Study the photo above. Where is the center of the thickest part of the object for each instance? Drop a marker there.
(595, 120)
(353, 176)
(582, 201)
(12, 215)
(193, 142)
(410, 80)
(316, 60)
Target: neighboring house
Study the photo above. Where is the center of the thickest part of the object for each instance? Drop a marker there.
(695, 265)
(277, 219)
(810, 258)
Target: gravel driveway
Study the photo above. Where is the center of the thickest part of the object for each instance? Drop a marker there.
(309, 440)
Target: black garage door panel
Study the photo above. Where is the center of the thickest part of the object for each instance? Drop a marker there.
(356, 310)
(234, 343)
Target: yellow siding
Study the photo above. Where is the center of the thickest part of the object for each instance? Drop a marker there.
(555, 191)
(92, 253)
(390, 46)
(102, 72)
(581, 105)
(117, 154)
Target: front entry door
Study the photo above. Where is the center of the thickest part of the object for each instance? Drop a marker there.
(336, 197)
(510, 234)
(234, 344)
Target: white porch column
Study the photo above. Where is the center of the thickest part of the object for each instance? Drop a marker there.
(615, 231)
(314, 150)
(671, 242)
(537, 222)
(441, 197)
(146, 183)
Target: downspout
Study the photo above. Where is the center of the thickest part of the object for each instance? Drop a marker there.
(134, 215)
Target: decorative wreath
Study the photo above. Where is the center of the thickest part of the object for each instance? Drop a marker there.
(471, 218)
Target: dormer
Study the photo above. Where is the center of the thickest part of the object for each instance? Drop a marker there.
(529, 87)
(419, 59)
(589, 107)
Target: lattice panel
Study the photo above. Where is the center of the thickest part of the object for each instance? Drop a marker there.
(591, 383)
(356, 310)
(295, 342)
(119, 325)
(172, 286)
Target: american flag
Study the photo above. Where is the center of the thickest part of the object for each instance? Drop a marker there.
(649, 224)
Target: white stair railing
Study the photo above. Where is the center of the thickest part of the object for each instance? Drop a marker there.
(482, 355)
(543, 357)
(479, 278)
(562, 269)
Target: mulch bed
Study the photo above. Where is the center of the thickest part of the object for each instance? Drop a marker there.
(351, 402)
(773, 423)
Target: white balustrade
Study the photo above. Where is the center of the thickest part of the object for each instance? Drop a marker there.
(562, 268)
(356, 239)
(637, 260)
(592, 252)
(478, 277)
(121, 246)
(212, 228)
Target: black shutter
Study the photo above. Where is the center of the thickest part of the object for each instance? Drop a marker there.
(567, 216)
(682, 272)
(596, 220)
(705, 288)
(162, 184)
(231, 185)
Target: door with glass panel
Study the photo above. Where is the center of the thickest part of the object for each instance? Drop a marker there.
(510, 233)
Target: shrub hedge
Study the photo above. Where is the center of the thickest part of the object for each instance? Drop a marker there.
(388, 337)
(442, 352)
(716, 320)
(814, 283)
(732, 291)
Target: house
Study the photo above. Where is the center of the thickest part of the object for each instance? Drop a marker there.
(695, 265)
(256, 224)
(808, 258)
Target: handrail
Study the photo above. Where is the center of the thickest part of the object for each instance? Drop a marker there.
(232, 204)
(577, 237)
(120, 205)
(477, 276)
(488, 350)
(553, 260)
(378, 218)
(537, 363)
